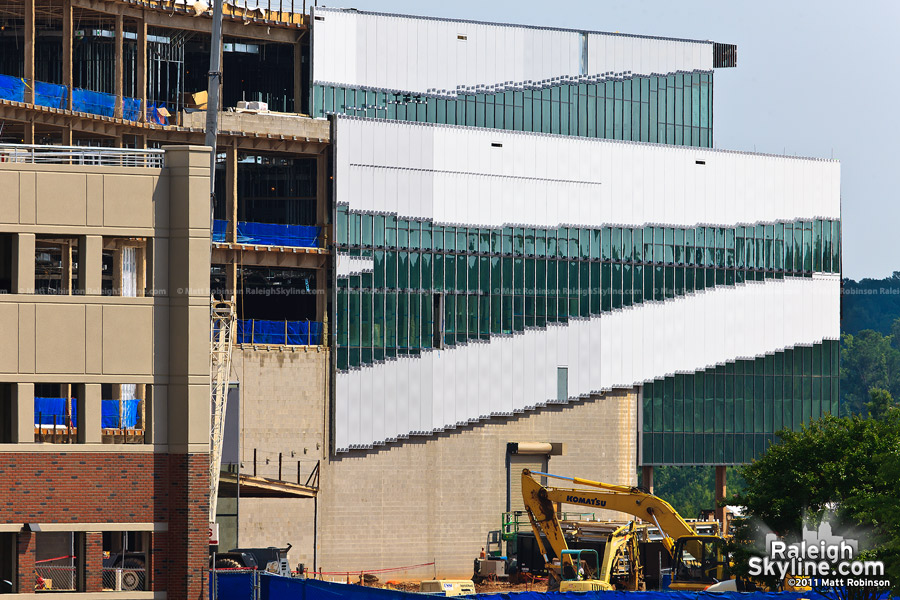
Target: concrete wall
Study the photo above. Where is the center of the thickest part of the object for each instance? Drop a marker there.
(436, 498)
(283, 409)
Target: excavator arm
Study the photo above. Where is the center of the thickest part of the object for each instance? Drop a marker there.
(540, 504)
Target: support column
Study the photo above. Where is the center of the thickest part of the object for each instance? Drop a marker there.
(28, 137)
(23, 413)
(323, 219)
(67, 79)
(67, 138)
(720, 495)
(29, 55)
(142, 69)
(23, 268)
(298, 77)
(93, 561)
(231, 193)
(120, 62)
(647, 478)
(25, 562)
(90, 264)
(89, 414)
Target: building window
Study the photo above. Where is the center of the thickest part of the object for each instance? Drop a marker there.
(123, 412)
(6, 263)
(56, 562)
(125, 262)
(7, 414)
(56, 413)
(562, 383)
(7, 563)
(55, 265)
(125, 561)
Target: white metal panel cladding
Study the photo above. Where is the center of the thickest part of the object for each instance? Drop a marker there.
(419, 54)
(682, 335)
(492, 178)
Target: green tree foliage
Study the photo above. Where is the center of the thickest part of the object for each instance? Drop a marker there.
(880, 401)
(692, 489)
(868, 360)
(871, 304)
(847, 466)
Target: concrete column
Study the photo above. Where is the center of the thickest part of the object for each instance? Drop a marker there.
(89, 413)
(29, 131)
(23, 413)
(67, 34)
(189, 264)
(157, 417)
(23, 267)
(323, 218)
(141, 67)
(90, 264)
(120, 63)
(647, 478)
(231, 193)
(298, 77)
(29, 55)
(720, 495)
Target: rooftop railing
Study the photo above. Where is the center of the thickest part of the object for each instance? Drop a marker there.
(81, 155)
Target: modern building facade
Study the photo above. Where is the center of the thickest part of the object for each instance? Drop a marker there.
(104, 418)
(449, 239)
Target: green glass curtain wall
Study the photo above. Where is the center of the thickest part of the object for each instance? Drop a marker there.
(731, 413)
(668, 109)
(435, 285)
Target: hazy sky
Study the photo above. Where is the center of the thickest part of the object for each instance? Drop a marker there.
(817, 79)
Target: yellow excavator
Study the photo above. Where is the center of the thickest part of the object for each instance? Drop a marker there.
(698, 561)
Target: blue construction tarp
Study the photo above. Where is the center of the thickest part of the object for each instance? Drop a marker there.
(220, 227)
(96, 103)
(50, 94)
(269, 234)
(12, 88)
(109, 414)
(48, 409)
(239, 586)
(291, 333)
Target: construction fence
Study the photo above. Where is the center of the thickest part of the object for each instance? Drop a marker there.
(234, 584)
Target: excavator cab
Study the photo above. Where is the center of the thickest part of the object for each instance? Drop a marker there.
(699, 561)
(579, 570)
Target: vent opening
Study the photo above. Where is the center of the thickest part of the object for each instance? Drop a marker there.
(496, 145)
(700, 162)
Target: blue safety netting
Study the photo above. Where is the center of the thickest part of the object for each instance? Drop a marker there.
(96, 103)
(109, 414)
(269, 234)
(48, 409)
(220, 228)
(239, 586)
(12, 88)
(50, 94)
(291, 333)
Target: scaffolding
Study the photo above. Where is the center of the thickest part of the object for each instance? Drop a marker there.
(222, 317)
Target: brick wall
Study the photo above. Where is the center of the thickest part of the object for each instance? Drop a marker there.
(113, 487)
(436, 498)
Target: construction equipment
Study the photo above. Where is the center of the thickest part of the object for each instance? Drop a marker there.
(221, 343)
(447, 587)
(272, 560)
(619, 568)
(698, 560)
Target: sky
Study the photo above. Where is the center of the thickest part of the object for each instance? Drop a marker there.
(818, 79)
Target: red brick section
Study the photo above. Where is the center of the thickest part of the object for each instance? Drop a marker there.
(100, 487)
(93, 561)
(25, 567)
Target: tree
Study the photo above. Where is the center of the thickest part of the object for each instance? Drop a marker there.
(868, 360)
(691, 489)
(880, 401)
(848, 467)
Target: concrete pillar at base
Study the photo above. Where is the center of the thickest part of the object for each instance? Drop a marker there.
(647, 478)
(93, 561)
(720, 495)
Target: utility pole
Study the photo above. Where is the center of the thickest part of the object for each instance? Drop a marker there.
(212, 102)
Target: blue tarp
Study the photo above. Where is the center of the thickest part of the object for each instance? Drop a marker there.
(50, 94)
(109, 418)
(46, 409)
(12, 88)
(269, 234)
(96, 103)
(238, 586)
(291, 333)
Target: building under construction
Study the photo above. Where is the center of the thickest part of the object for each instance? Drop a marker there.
(446, 240)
